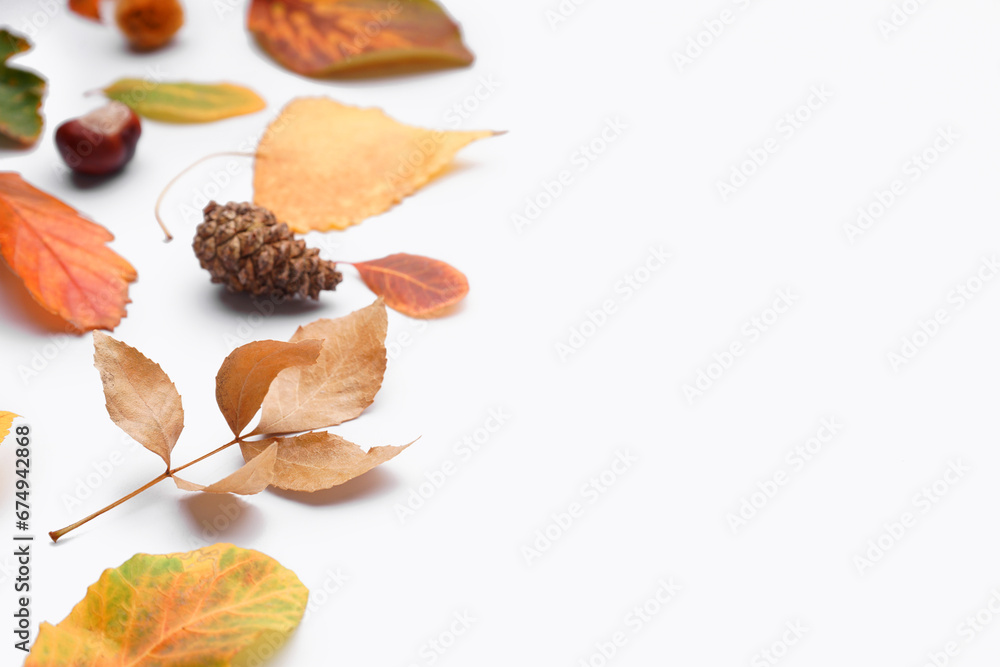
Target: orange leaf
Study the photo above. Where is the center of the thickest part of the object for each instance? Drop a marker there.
(62, 257)
(320, 37)
(247, 373)
(88, 9)
(414, 285)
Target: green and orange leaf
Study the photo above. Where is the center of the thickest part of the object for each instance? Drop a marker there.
(220, 605)
(324, 37)
(21, 94)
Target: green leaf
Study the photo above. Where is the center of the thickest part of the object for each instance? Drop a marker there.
(20, 94)
(184, 102)
(219, 606)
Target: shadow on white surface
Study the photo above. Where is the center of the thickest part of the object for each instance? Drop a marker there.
(372, 484)
(218, 517)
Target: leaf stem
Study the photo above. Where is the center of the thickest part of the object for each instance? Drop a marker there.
(56, 534)
(159, 200)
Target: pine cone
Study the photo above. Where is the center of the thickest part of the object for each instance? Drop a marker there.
(247, 249)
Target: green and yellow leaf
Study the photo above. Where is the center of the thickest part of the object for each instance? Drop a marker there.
(184, 102)
(221, 606)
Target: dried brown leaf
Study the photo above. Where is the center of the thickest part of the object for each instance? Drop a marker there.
(342, 382)
(140, 397)
(315, 461)
(253, 477)
(247, 373)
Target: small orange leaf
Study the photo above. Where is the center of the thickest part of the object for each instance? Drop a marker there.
(62, 257)
(88, 9)
(320, 37)
(414, 285)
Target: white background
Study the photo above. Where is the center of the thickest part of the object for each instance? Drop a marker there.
(654, 186)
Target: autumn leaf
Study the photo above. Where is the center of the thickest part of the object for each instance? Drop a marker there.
(323, 165)
(62, 257)
(253, 477)
(219, 605)
(324, 37)
(88, 9)
(21, 94)
(6, 419)
(414, 285)
(184, 102)
(315, 461)
(140, 397)
(340, 385)
(247, 373)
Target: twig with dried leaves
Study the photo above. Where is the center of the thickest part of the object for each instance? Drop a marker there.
(328, 373)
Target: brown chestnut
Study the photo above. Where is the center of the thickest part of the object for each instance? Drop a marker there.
(100, 142)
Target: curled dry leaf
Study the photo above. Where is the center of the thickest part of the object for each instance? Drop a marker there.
(140, 397)
(340, 385)
(6, 419)
(184, 102)
(323, 165)
(253, 477)
(315, 461)
(247, 373)
(219, 605)
(21, 94)
(321, 37)
(414, 285)
(62, 257)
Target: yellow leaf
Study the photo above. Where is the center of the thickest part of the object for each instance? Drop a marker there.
(6, 419)
(220, 605)
(323, 165)
(184, 102)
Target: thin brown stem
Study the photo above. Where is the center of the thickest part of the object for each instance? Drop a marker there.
(202, 458)
(56, 534)
(159, 200)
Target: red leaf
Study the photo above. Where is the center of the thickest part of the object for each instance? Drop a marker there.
(414, 285)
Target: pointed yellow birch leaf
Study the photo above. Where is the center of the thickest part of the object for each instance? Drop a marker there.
(323, 165)
(140, 397)
(315, 461)
(221, 606)
(342, 382)
(246, 374)
(253, 477)
(6, 419)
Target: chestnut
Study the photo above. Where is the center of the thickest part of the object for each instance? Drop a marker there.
(100, 142)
